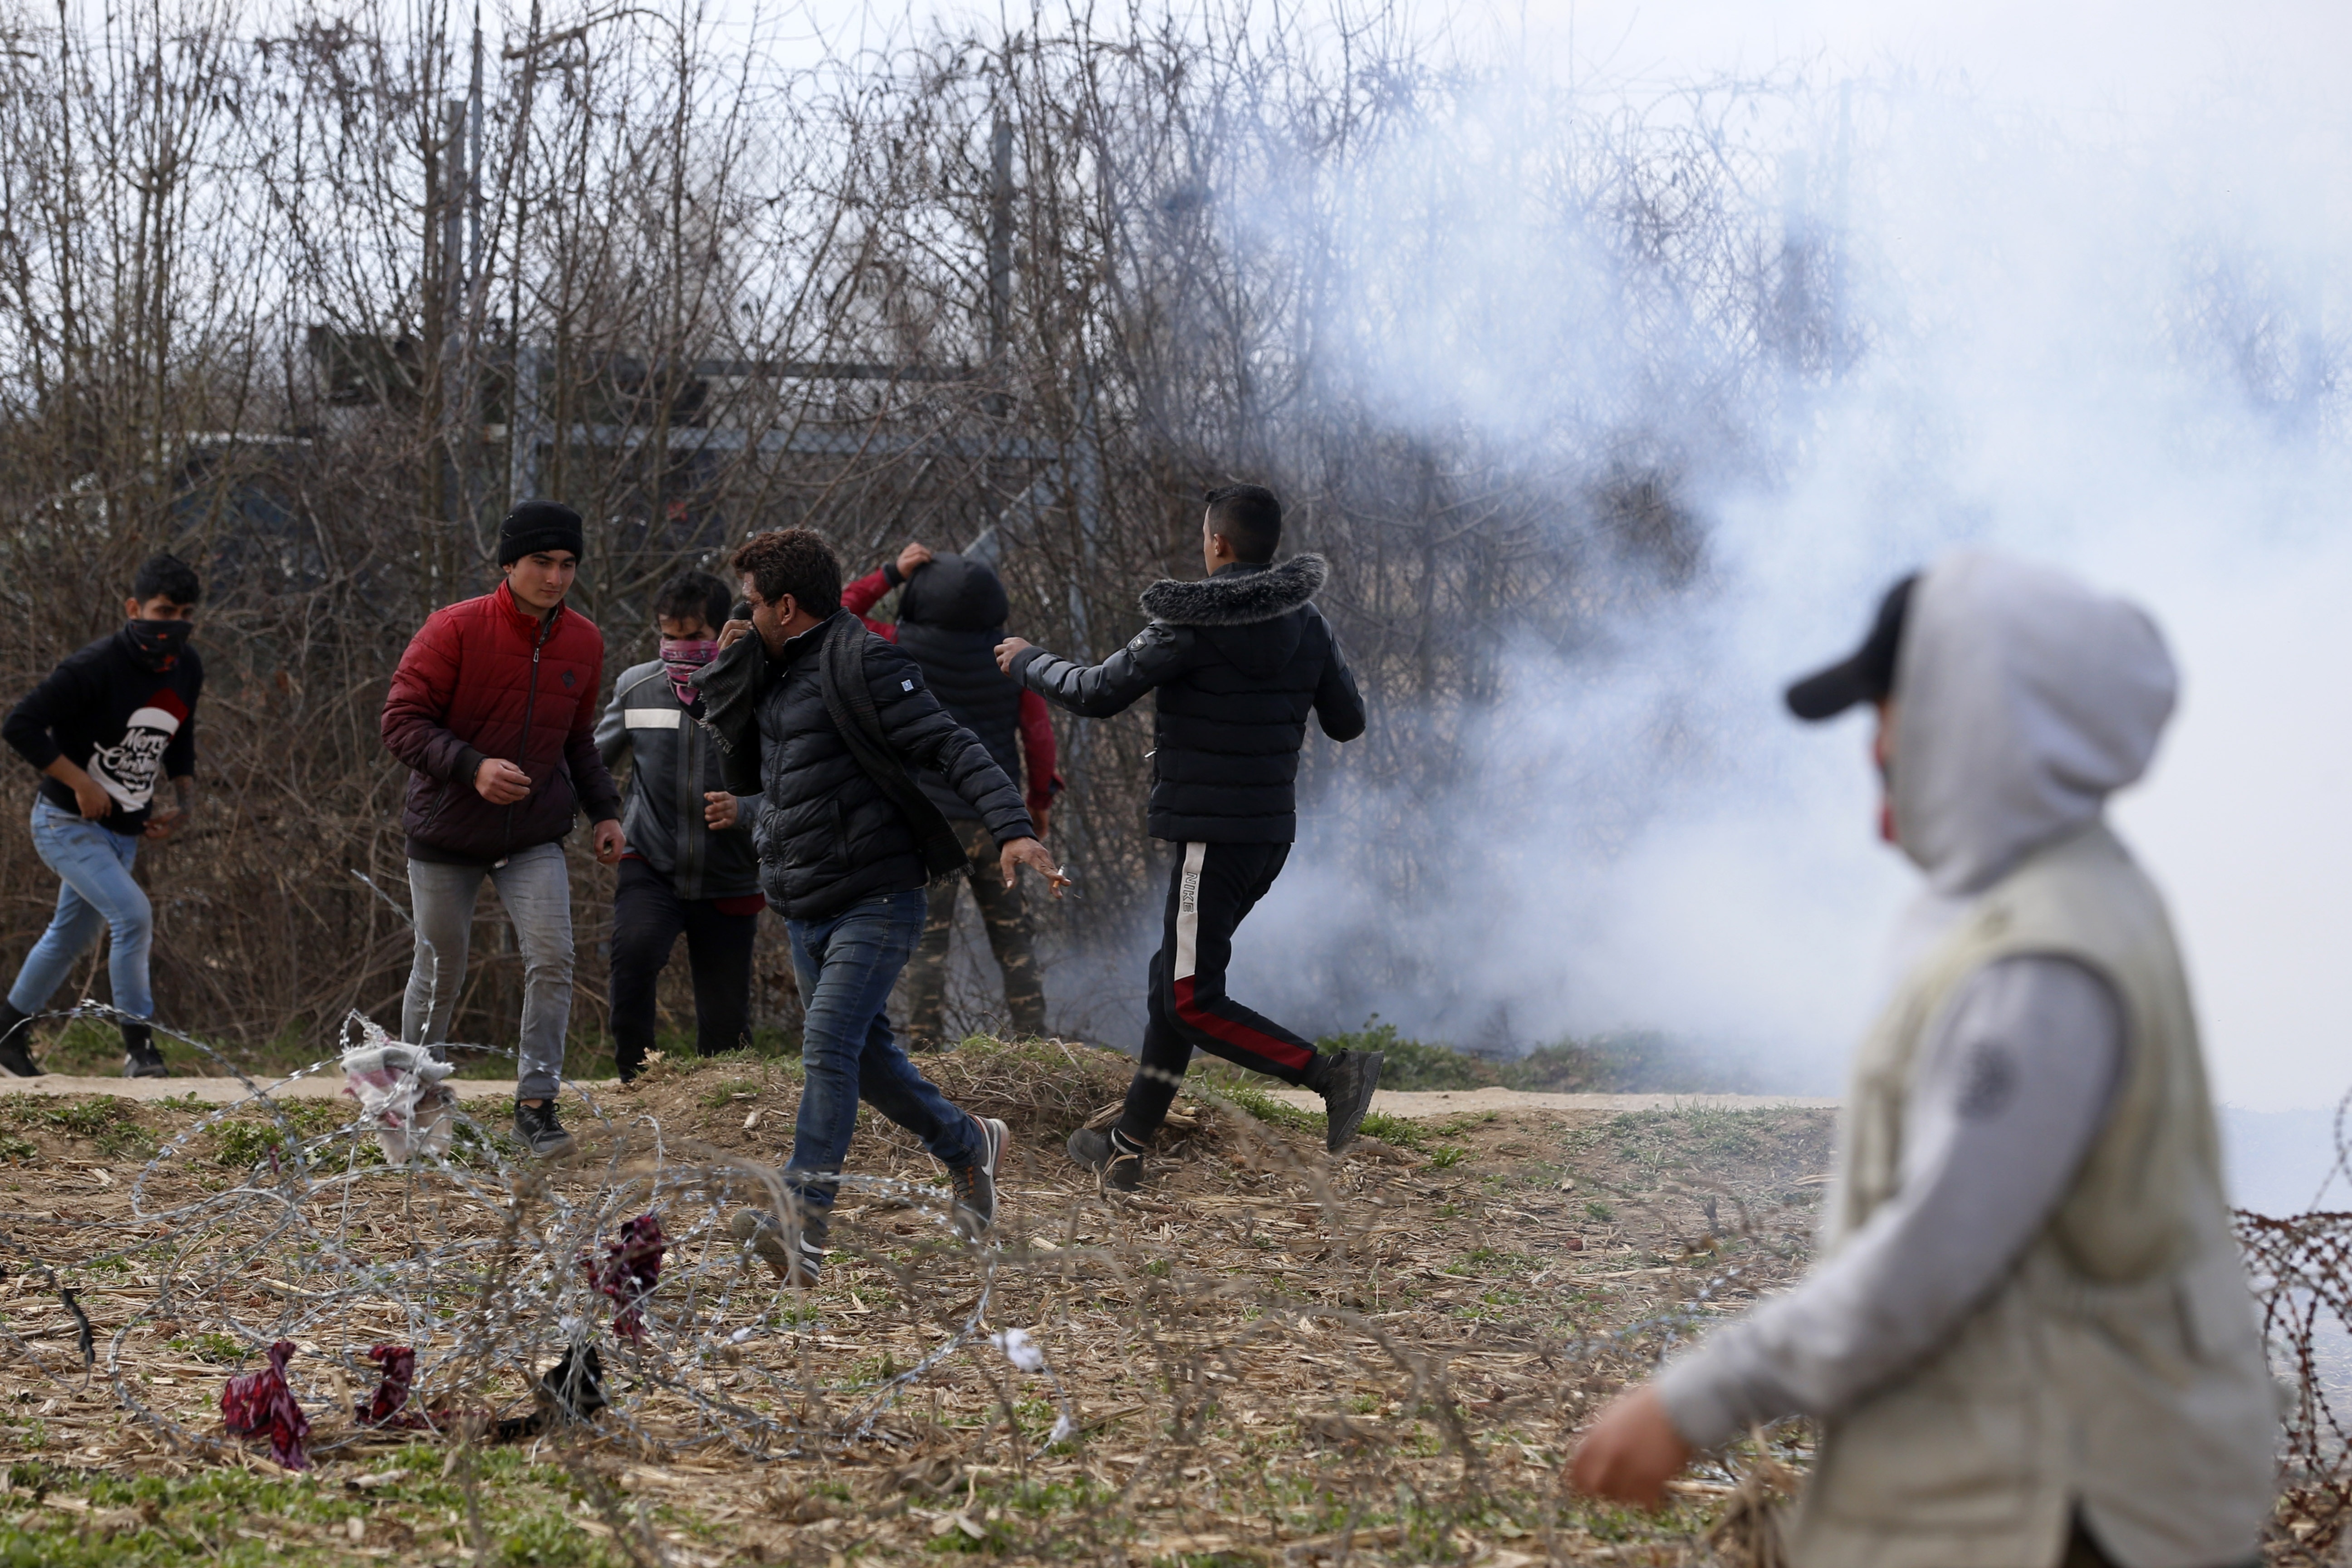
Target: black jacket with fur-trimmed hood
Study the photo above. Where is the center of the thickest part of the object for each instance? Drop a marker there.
(1238, 660)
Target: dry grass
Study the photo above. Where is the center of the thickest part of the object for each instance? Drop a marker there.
(1269, 1357)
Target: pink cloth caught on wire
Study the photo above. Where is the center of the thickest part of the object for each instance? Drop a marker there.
(627, 1273)
(258, 1404)
(399, 1365)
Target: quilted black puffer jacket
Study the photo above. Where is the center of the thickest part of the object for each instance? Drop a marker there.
(828, 837)
(1237, 661)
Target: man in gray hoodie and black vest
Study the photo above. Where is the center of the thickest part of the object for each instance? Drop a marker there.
(2029, 1338)
(1235, 663)
(689, 866)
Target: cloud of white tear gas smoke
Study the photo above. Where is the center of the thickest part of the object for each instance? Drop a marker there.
(2121, 353)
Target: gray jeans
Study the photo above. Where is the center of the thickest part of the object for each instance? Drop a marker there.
(537, 892)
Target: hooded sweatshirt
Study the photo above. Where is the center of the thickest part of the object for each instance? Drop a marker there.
(950, 618)
(2022, 700)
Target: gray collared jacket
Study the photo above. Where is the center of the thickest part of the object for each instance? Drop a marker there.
(673, 761)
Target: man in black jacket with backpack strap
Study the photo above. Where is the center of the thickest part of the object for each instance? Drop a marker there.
(1237, 663)
(824, 721)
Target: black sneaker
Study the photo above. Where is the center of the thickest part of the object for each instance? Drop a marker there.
(1346, 1095)
(16, 1042)
(139, 1057)
(974, 1185)
(794, 1259)
(1116, 1165)
(538, 1130)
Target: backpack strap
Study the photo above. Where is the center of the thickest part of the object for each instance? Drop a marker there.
(849, 702)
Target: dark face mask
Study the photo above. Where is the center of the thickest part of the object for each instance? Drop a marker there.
(157, 644)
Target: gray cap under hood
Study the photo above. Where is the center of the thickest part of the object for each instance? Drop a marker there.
(2023, 700)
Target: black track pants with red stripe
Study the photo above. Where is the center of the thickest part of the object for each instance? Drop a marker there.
(1210, 888)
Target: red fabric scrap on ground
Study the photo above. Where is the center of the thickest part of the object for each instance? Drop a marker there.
(627, 1273)
(255, 1404)
(399, 1365)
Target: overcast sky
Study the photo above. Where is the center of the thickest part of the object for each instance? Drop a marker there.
(2076, 56)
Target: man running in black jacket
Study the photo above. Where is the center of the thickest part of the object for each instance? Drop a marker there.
(1237, 662)
(826, 724)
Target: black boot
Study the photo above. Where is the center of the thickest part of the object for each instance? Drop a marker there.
(539, 1131)
(139, 1057)
(1347, 1090)
(16, 1041)
(1116, 1164)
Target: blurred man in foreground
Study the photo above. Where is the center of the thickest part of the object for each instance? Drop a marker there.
(2029, 1336)
(1235, 663)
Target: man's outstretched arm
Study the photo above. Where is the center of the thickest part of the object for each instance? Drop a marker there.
(2015, 1086)
(1339, 706)
(1158, 654)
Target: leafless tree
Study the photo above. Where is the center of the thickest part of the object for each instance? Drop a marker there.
(312, 298)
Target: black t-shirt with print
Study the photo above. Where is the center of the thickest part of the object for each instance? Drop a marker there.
(128, 726)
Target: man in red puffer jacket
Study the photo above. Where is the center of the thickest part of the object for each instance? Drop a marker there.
(494, 709)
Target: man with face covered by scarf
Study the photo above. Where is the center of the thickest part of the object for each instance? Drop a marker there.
(110, 724)
(689, 866)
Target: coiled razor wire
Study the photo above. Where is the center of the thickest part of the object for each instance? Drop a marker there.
(477, 1259)
(2303, 1277)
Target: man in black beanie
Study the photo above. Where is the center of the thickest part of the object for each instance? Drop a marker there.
(493, 709)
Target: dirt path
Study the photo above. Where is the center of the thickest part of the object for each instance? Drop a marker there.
(1418, 1104)
(225, 1091)
(1412, 1104)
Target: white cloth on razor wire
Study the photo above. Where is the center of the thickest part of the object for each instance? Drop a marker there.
(401, 1094)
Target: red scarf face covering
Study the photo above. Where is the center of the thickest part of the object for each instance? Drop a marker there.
(157, 644)
(681, 656)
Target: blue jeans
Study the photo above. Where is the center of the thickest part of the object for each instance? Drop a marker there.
(93, 866)
(846, 966)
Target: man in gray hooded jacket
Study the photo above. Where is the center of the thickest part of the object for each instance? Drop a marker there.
(2028, 1338)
